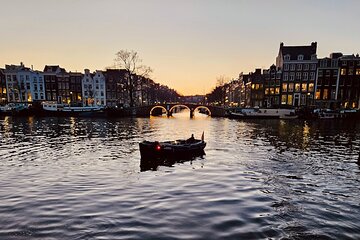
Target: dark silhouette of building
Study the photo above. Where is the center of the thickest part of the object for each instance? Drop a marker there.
(272, 86)
(57, 84)
(3, 96)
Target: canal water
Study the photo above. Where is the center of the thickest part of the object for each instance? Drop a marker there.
(80, 178)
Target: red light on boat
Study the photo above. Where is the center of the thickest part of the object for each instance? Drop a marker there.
(158, 147)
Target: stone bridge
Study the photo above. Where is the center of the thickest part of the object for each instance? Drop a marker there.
(169, 108)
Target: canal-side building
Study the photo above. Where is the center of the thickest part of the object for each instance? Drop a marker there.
(272, 86)
(245, 90)
(3, 96)
(57, 84)
(327, 82)
(76, 88)
(299, 66)
(23, 85)
(257, 88)
(116, 86)
(349, 81)
(100, 88)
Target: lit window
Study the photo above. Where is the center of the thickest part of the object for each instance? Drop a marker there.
(283, 99)
(343, 71)
(311, 87)
(291, 87)
(289, 100)
(297, 87)
(317, 95)
(357, 71)
(303, 87)
(284, 87)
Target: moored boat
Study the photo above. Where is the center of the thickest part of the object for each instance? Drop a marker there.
(59, 108)
(172, 149)
(248, 113)
(13, 108)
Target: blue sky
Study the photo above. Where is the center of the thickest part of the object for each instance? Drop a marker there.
(187, 43)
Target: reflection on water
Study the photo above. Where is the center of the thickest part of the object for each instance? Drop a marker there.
(80, 178)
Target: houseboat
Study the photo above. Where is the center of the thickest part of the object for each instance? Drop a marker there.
(255, 113)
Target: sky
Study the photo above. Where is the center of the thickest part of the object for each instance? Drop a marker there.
(189, 44)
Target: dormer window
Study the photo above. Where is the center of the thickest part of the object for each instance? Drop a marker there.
(313, 57)
(300, 57)
(287, 57)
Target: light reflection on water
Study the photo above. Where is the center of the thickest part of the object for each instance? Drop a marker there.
(71, 178)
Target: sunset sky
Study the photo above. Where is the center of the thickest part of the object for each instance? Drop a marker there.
(187, 43)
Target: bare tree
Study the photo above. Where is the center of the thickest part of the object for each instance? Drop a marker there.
(131, 62)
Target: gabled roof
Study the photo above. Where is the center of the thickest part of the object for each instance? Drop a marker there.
(295, 51)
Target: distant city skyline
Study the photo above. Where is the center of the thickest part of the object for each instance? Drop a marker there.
(187, 43)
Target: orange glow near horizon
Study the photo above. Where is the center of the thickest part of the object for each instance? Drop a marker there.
(188, 44)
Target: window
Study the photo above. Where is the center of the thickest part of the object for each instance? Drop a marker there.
(312, 76)
(343, 63)
(286, 67)
(300, 57)
(298, 75)
(343, 71)
(297, 87)
(351, 71)
(283, 99)
(313, 66)
(287, 57)
(313, 57)
(292, 76)
(284, 87)
(357, 71)
(317, 94)
(291, 87)
(306, 66)
(305, 76)
(36, 96)
(299, 67)
(303, 87)
(325, 94)
(289, 100)
(327, 73)
(267, 91)
(277, 90)
(335, 72)
(334, 63)
(311, 87)
(292, 67)
(286, 76)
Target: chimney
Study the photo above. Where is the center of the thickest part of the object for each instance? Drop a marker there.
(281, 44)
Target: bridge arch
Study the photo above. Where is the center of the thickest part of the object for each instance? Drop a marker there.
(158, 106)
(204, 107)
(178, 105)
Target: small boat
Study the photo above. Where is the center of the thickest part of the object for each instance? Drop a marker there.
(13, 108)
(260, 113)
(65, 109)
(172, 149)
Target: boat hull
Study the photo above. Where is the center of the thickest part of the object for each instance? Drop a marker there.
(156, 150)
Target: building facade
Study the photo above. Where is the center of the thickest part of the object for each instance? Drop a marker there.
(23, 85)
(76, 88)
(3, 95)
(272, 85)
(94, 91)
(327, 82)
(349, 81)
(57, 84)
(299, 66)
(116, 86)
